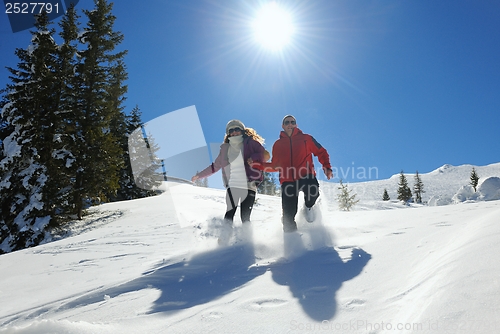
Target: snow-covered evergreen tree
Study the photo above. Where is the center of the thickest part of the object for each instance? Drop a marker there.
(143, 159)
(474, 179)
(5, 127)
(418, 188)
(385, 196)
(128, 189)
(101, 74)
(64, 140)
(404, 192)
(25, 193)
(63, 133)
(345, 198)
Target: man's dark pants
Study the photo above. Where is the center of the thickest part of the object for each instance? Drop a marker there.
(290, 198)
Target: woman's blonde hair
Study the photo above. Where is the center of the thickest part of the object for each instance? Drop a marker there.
(248, 132)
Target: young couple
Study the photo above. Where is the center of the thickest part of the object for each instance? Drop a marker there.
(242, 159)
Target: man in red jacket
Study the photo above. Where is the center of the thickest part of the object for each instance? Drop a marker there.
(292, 158)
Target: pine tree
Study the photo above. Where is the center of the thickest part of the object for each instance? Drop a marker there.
(418, 188)
(101, 74)
(345, 198)
(5, 127)
(144, 161)
(31, 111)
(474, 179)
(65, 135)
(385, 196)
(128, 189)
(269, 185)
(118, 121)
(404, 192)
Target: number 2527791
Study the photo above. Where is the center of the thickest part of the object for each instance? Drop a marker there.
(30, 7)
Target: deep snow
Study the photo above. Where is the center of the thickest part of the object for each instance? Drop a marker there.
(154, 266)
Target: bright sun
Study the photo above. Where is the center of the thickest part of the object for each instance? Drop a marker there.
(273, 27)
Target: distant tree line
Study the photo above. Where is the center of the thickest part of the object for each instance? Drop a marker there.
(63, 132)
(405, 194)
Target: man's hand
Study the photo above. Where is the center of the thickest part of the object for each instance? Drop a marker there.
(328, 173)
(194, 178)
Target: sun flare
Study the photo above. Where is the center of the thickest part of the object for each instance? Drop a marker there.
(273, 27)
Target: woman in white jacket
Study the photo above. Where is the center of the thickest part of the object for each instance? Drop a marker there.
(240, 158)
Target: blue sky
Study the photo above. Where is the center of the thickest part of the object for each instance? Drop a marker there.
(384, 86)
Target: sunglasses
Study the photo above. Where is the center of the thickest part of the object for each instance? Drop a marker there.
(289, 122)
(233, 129)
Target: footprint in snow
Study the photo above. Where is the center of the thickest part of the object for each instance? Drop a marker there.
(267, 302)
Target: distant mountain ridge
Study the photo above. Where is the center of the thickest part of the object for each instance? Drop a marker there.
(440, 185)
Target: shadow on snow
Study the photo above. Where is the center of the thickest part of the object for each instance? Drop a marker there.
(313, 277)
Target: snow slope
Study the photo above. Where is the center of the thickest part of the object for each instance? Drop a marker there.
(440, 185)
(154, 266)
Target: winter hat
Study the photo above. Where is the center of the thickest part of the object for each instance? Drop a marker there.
(283, 121)
(234, 124)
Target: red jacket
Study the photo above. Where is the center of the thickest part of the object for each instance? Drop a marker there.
(292, 156)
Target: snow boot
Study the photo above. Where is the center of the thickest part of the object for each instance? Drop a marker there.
(309, 213)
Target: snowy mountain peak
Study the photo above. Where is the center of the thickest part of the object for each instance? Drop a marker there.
(444, 168)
